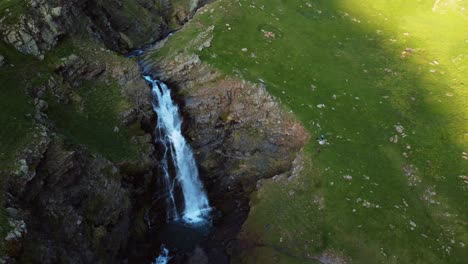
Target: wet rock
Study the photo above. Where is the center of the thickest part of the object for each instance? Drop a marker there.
(240, 135)
(198, 257)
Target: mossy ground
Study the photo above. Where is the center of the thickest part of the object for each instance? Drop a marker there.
(373, 65)
(16, 105)
(11, 10)
(90, 124)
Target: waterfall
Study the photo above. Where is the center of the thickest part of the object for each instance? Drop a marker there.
(164, 257)
(176, 150)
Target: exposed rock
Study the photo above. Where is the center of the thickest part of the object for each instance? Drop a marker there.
(198, 257)
(2, 61)
(14, 238)
(76, 70)
(239, 133)
(75, 207)
(238, 130)
(29, 159)
(36, 31)
(113, 22)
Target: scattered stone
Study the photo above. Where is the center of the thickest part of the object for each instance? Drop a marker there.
(321, 106)
(116, 129)
(399, 129)
(410, 171)
(394, 139)
(348, 177)
(464, 178)
(407, 52)
(2, 61)
(244, 49)
(269, 34)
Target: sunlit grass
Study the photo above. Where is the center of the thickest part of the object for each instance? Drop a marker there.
(374, 65)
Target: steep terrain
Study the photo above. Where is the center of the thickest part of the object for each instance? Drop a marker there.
(384, 83)
(76, 139)
(79, 169)
(325, 131)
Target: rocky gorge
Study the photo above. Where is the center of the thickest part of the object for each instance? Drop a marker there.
(69, 198)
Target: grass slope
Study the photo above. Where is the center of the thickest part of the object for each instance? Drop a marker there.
(374, 65)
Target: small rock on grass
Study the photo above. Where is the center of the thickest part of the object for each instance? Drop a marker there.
(2, 61)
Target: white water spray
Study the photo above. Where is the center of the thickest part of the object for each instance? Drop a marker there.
(164, 257)
(196, 207)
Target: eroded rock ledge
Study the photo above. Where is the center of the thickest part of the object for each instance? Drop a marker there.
(239, 133)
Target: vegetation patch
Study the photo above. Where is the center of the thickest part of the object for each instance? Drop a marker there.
(385, 84)
(92, 120)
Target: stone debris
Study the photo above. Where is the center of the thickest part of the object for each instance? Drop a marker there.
(2, 61)
(429, 195)
(321, 106)
(399, 129)
(464, 178)
(410, 171)
(269, 34)
(244, 49)
(394, 139)
(406, 53)
(348, 177)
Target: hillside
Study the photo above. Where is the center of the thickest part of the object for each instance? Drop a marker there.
(385, 83)
(324, 131)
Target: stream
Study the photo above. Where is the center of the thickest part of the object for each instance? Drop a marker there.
(186, 205)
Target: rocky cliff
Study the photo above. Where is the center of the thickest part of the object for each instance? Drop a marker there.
(75, 182)
(240, 135)
(82, 150)
(36, 26)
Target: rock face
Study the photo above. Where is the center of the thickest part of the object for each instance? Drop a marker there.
(68, 205)
(239, 134)
(121, 25)
(81, 206)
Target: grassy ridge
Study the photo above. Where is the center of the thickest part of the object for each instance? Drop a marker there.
(374, 65)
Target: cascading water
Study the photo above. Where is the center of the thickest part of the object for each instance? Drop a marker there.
(196, 206)
(164, 257)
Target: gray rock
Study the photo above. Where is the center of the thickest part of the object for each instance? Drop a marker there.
(12, 212)
(2, 61)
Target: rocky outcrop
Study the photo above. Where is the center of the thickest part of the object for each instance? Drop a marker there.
(36, 31)
(75, 70)
(120, 25)
(76, 208)
(239, 133)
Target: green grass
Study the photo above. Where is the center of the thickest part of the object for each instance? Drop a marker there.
(91, 121)
(11, 10)
(351, 50)
(16, 105)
